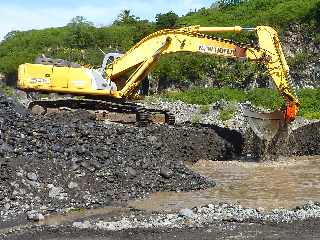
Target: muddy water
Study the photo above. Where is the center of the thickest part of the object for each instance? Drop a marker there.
(285, 183)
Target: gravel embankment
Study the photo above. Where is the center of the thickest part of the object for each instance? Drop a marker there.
(301, 137)
(201, 216)
(222, 221)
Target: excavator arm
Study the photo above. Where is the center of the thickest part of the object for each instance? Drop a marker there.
(139, 61)
(278, 69)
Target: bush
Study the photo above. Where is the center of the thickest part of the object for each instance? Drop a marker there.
(204, 109)
(310, 103)
(278, 13)
(205, 96)
(227, 112)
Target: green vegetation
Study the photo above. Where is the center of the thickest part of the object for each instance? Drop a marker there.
(310, 103)
(227, 111)
(167, 20)
(204, 109)
(80, 41)
(277, 13)
(6, 90)
(196, 118)
(205, 96)
(267, 98)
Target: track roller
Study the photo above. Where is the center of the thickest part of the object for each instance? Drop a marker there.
(170, 118)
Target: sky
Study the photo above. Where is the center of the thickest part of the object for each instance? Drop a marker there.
(37, 14)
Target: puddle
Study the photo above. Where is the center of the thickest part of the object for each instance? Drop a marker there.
(267, 185)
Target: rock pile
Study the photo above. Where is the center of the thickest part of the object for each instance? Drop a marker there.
(67, 160)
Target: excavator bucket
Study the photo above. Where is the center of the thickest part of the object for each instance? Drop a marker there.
(265, 125)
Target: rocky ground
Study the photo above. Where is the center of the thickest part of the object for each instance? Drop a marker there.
(193, 113)
(66, 162)
(201, 216)
(71, 161)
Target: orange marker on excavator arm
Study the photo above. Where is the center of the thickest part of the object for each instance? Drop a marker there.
(290, 112)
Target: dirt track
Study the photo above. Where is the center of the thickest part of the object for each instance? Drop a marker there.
(299, 230)
(308, 230)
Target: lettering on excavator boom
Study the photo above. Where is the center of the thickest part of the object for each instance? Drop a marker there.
(217, 50)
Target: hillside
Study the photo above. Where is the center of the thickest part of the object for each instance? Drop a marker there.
(296, 20)
(277, 13)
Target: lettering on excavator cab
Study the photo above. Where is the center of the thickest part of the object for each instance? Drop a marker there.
(217, 50)
(39, 81)
(78, 83)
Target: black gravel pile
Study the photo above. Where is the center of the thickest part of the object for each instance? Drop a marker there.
(69, 160)
(301, 141)
(305, 140)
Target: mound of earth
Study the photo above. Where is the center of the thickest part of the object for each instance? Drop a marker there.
(67, 160)
(291, 140)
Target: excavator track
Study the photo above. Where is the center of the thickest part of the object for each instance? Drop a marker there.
(143, 115)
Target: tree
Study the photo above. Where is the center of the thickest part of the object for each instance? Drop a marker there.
(227, 3)
(166, 20)
(79, 21)
(81, 33)
(314, 15)
(11, 35)
(125, 18)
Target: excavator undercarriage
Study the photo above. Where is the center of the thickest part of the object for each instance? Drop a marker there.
(112, 110)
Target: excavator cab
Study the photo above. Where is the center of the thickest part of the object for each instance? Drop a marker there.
(107, 60)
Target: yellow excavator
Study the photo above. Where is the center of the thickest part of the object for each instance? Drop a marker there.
(122, 74)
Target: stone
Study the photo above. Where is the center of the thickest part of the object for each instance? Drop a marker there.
(74, 166)
(55, 192)
(81, 225)
(132, 172)
(166, 172)
(7, 206)
(73, 185)
(35, 216)
(87, 166)
(96, 165)
(38, 110)
(32, 176)
(152, 139)
(186, 212)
